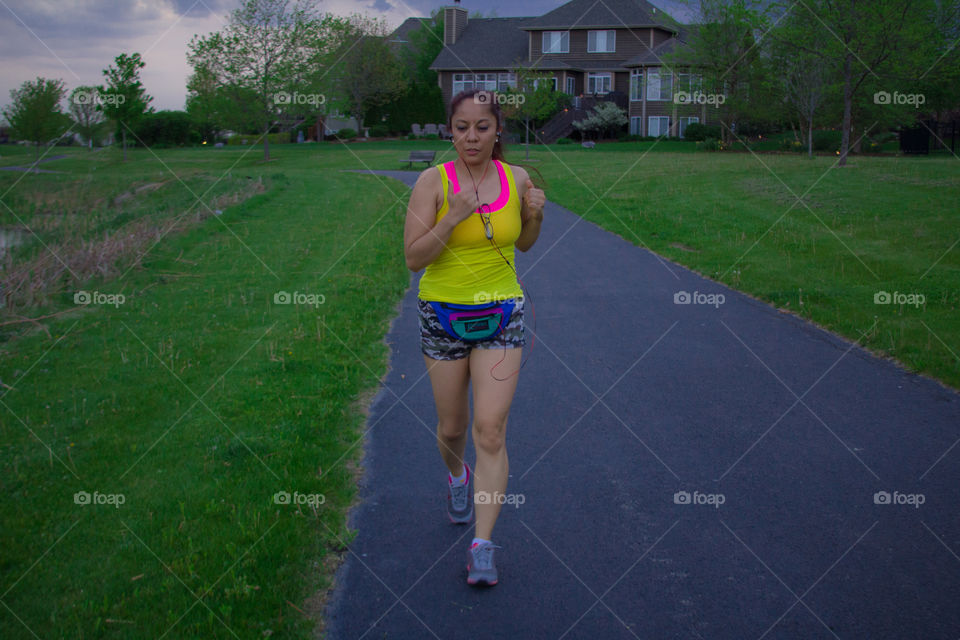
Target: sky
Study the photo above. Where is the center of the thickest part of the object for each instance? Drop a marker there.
(74, 40)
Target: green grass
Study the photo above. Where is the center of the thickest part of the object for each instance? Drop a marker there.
(109, 401)
(114, 395)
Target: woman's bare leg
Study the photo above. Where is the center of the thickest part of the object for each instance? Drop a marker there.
(491, 406)
(450, 379)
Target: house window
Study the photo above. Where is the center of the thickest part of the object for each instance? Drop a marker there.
(551, 82)
(556, 42)
(462, 82)
(467, 81)
(659, 85)
(658, 126)
(636, 122)
(571, 86)
(507, 81)
(689, 82)
(601, 41)
(599, 82)
(636, 85)
(486, 81)
(683, 124)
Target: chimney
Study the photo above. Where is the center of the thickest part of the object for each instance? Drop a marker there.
(454, 22)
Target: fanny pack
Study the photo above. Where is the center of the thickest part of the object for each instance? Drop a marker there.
(473, 322)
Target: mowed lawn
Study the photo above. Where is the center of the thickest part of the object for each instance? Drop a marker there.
(200, 403)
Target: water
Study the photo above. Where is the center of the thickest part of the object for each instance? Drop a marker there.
(11, 238)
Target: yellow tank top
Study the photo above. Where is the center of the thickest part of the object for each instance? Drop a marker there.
(469, 270)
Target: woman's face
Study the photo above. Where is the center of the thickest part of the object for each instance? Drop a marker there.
(474, 130)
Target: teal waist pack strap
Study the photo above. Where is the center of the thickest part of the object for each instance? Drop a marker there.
(473, 322)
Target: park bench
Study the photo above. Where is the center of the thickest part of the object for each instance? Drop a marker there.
(420, 156)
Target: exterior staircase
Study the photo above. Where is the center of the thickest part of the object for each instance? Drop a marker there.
(561, 125)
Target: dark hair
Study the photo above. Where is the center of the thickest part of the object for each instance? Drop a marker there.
(493, 104)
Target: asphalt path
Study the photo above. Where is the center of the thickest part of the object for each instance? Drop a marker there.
(716, 469)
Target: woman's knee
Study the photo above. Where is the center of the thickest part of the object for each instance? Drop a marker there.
(451, 430)
(490, 434)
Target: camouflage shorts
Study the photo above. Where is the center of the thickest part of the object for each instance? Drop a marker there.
(436, 343)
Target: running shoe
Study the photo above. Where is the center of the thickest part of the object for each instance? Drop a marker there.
(480, 567)
(460, 500)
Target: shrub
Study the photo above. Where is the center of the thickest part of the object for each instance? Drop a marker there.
(697, 132)
(826, 140)
(564, 141)
(379, 131)
(164, 128)
(346, 134)
(431, 136)
(788, 144)
(710, 144)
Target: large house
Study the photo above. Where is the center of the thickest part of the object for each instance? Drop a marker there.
(588, 49)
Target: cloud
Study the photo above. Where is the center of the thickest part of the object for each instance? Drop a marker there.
(76, 39)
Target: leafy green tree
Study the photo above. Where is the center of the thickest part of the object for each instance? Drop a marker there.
(34, 113)
(267, 51)
(727, 51)
(870, 45)
(123, 99)
(363, 72)
(88, 119)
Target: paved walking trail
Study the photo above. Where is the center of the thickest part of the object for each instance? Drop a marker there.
(629, 400)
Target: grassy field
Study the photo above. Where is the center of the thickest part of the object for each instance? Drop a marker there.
(198, 400)
(194, 402)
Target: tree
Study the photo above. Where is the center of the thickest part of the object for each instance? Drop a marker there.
(34, 113)
(532, 100)
(867, 41)
(364, 72)
(265, 50)
(123, 99)
(726, 49)
(88, 119)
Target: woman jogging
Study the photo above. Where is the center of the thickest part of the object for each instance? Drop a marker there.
(463, 221)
